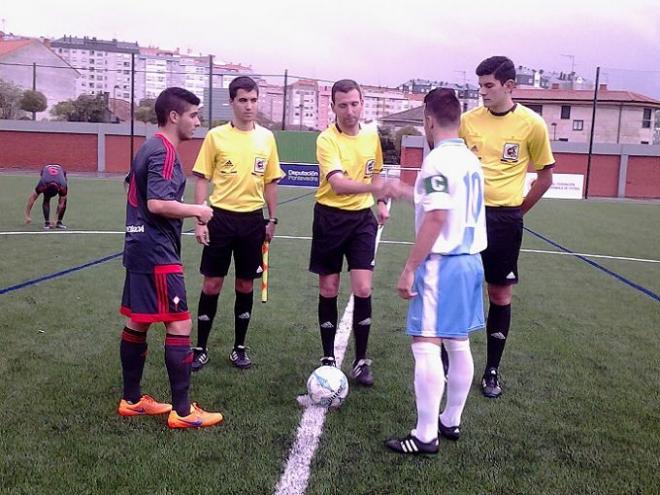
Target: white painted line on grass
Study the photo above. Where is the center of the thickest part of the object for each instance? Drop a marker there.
(604, 256)
(307, 238)
(295, 477)
(296, 472)
(55, 232)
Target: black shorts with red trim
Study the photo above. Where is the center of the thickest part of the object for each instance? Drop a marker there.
(337, 233)
(504, 227)
(155, 297)
(240, 234)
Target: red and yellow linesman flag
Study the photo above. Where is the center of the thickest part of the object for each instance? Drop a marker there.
(265, 248)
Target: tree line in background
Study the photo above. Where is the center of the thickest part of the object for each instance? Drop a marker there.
(17, 104)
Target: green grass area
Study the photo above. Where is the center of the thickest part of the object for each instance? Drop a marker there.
(581, 371)
(297, 146)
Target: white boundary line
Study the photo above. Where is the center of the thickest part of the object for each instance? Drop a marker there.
(297, 468)
(55, 232)
(307, 238)
(587, 255)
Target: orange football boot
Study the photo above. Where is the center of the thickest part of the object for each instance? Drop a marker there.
(146, 406)
(198, 418)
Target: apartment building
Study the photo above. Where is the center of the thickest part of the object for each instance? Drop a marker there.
(538, 78)
(104, 65)
(468, 94)
(271, 101)
(378, 102)
(302, 105)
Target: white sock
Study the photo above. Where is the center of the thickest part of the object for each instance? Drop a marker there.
(429, 386)
(459, 380)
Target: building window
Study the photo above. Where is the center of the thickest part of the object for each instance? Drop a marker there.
(646, 118)
(644, 142)
(537, 108)
(578, 125)
(563, 139)
(566, 113)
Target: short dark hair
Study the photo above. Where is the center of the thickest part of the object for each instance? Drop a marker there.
(242, 82)
(500, 67)
(443, 105)
(344, 86)
(177, 99)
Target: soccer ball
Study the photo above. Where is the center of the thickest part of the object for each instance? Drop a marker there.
(327, 386)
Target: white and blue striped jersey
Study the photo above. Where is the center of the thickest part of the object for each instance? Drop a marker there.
(451, 179)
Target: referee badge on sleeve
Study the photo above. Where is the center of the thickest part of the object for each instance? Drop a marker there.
(259, 166)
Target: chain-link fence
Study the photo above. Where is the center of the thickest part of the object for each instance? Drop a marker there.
(611, 107)
(104, 87)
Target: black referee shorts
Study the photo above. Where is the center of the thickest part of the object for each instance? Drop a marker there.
(237, 233)
(337, 233)
(504, 227)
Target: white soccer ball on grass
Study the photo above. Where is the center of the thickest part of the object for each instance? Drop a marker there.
(327, 387)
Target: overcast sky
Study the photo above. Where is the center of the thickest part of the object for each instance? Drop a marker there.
(376, 42)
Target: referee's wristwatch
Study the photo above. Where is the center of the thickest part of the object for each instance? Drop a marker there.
(273, 220)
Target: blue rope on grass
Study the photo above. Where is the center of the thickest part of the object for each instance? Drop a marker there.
(59, 274)
(621, 278)
(105, 259)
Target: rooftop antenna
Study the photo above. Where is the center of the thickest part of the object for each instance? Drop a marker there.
(464, 76)
(572, 57)
(572, 76)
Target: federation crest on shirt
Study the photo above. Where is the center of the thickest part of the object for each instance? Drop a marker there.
(369, 167)
(259, 166)
(510, 152)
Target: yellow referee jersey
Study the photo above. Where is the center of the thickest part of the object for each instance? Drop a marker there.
(505, 146)
(238, 164)
(358, 157)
